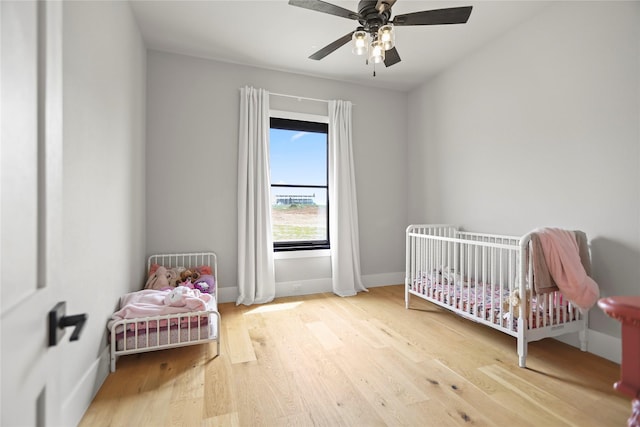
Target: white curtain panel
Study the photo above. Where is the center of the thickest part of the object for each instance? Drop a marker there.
(343, 210)
(256, 277)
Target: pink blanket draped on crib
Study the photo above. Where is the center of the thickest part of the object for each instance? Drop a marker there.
(562, 258)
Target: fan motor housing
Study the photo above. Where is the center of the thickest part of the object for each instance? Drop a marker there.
(370, 18)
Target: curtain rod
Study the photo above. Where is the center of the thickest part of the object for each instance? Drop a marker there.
(299, 98)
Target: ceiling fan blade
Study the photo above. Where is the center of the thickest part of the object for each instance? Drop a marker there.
(383, 5)
(453, 15)
(391, 57)
(324, 7)
(332, 46)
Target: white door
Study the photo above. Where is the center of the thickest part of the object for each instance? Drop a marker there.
(30, 208)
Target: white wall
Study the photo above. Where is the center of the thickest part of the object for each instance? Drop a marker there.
(192, 125)
(540, 128)
(103, 173)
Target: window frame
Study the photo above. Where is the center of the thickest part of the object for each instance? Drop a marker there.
(309, 123)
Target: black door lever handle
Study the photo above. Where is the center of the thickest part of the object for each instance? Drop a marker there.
(76, 320)
(58, 321)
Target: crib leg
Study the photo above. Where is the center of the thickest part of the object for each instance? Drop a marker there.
(113, 363)
(582, 336)
(219, 332)
(522, 356)
(522, 344)
(406, 296)
(522, 361)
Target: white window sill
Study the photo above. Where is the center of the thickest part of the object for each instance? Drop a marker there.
(317, 253)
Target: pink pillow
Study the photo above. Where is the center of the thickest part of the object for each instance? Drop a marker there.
(204, 269)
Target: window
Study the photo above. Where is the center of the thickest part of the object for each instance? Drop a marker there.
(299, 184)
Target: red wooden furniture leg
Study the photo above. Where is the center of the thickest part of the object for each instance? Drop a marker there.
(626, 309)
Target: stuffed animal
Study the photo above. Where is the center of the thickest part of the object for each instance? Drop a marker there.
(188, 276)
(514, 301)
(178, 296)
(205, 284)
(159, 280)
(182, 296)
(202, 287)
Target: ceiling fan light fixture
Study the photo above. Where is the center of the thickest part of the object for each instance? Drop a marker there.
(360, 40)
(376, 54)
(387, 36)
(376, 34)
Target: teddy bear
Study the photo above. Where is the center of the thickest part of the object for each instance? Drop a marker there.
(187, 278)
(514, 301)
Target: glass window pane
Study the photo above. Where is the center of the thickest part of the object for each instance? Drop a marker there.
(298, 157)
(299, 214)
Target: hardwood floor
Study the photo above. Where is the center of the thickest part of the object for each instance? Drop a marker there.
(359, 361)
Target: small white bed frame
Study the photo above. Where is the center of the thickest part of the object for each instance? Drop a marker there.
(480, 277)
(149, 334)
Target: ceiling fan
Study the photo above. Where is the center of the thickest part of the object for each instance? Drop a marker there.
(374, 36)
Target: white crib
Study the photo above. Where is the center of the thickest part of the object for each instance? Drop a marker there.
(485, 278)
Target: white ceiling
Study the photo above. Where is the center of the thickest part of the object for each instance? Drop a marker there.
(272, 34)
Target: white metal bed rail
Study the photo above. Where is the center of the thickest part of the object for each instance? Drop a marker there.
(155, 332)
(189, 260)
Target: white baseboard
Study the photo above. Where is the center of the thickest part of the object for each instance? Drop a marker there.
(303, 287)
(600, 344)
(314, 286)
(78, 401)
(229, 294)
(384, 279)
(283, 289)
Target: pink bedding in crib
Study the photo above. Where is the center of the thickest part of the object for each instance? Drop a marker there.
(488, 302)
(467, 296)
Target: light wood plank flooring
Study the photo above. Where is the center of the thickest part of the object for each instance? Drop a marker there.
(359, 361)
